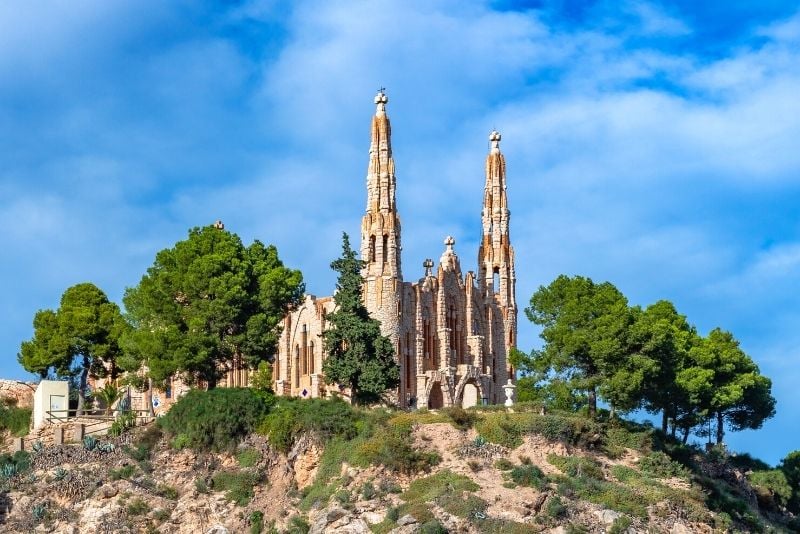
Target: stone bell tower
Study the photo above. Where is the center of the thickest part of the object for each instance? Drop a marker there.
(380, 228)
(496, 275)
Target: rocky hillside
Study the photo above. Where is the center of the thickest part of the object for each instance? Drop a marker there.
(306, 470)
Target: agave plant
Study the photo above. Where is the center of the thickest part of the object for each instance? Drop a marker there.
(39, 510)
(89, 443)
(8, 470)
(37, 446)
(105, 446)
(60, 473)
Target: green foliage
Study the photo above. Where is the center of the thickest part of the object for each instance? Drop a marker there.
(620, 525)
(125, 472)
(324, 419)
(166, 491)
(216, 419)
(124, 422)
(200, 485)
(503, 464)
(248, 457)
(359, 357)
(554, 507)
(725, 383)
(298, 525)
(208, 301)
(261, 379)
(791, 468)
(772, 488)
(529, 475)
(577, 466)
(585, 329)
(237, 485)
(256, 521)
(11, 465)
(39, 511)
(430, 488)
(137, 507)
(394, 450)
(368, 491)
(507, 429)
(15, 420)
(60, 474)
(432, 527)
(660, 465)
(460, 418)
(80, 339)
(109, 394)
(89, 443)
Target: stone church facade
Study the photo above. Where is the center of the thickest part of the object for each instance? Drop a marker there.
(451, 331)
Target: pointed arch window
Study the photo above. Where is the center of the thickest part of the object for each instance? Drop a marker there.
(372, 248)
(311, 358)
(385, 248)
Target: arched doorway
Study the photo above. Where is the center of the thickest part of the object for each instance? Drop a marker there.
(470, 395)
(436, 398)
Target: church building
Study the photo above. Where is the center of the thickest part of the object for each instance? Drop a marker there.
(451, 331)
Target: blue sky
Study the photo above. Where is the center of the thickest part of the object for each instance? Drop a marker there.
(654, 145)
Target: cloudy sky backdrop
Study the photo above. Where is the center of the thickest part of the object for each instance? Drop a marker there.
(653, 145)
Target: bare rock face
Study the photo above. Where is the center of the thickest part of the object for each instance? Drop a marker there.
(17, 393)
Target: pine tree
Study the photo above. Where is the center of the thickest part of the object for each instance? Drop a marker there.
(358, 356)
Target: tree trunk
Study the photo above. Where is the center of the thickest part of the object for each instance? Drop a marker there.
(592, 403)
(664, 421)
(148, 398)
(82, 388)
(685, 436)
(720, 427)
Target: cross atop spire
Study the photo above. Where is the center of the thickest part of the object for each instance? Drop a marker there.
(494, 139)
(381, 100)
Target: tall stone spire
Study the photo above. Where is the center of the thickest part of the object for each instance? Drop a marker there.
(496, 275)
(380, 226)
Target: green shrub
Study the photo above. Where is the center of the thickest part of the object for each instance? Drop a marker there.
(237, 485)
(124, 472)
(395, 451)
(503, 464)
(659, 465)
(324, 419)
(168, 492)
(624, 435)
(161, 515)
(393, 514)
(577, 466)
(122, 424)
(200, 485)
(11, 465)
(529, 475)
(298, 525)
(368, 491)
(461, 418)
(620, 525)
(137, 507)
(216, 419)
(248, 458)
(554, 507)
(256, 521)
(430, 488)
(16, 420)
(432, 527)
(772, 488)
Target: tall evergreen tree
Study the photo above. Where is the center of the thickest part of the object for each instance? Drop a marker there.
(585, 329)
(207, 302)
(358, 356)
(78, 340)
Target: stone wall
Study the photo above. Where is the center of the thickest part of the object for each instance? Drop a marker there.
(18, 393)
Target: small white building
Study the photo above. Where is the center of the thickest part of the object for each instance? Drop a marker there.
(52, 396)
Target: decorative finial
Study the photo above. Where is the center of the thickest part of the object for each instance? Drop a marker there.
(494, 138)
(428, 264)
(449, 241)
(218, 225)
(381, 100)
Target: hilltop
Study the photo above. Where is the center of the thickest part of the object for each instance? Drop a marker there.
(284, 465)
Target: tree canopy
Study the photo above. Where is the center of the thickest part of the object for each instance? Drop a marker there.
(358, 356)
(80, 339)
(206, 302)
(633, 358)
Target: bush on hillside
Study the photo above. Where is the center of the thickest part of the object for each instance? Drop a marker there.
(216, 419)
(324, 419)
(772, 488)
(14, 419)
